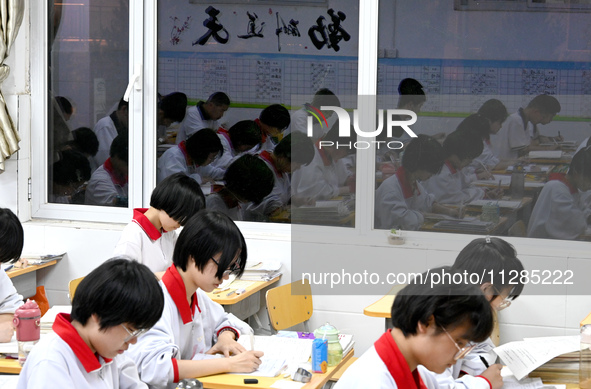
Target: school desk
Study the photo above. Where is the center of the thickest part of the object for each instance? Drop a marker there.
(497, 228)
(222, 297)
(234, 381)
(25, 279)
(9, 366)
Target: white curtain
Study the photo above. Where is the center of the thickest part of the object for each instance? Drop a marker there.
(11, 17)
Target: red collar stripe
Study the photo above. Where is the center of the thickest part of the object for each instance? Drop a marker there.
(183, 147)
(263, 132)
(564, 179)
(407, 189)
(451, 168)
(396, 363)
(176, 287)
(266, 156)
(117, 180)
(141, 220)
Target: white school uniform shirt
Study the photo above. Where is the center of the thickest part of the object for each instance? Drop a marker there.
(486, 159)
(194, 121)
(471, 366)
(383, 367)
(215, 202)
(105, 131)
(218, 167)
(176, 160)
(399, 205)
(320, 179)
(558, 212)
(141, 241)
(104, 186)
(513, 136)
(184, 332)
(451, 186)
(64, 360)
(10, 300)
(278, 197)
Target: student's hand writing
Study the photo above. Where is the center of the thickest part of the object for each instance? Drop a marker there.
(484, 175)
(246, 362)
(495, 193)
(493, 375)
(226, 345)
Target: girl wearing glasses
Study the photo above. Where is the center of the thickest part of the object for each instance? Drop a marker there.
(193, 330)
(433, 328)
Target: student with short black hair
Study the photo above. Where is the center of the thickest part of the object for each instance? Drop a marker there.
(247, 179)
(193, 328)
(171, 109)
(11, 247)
(108, 128)
(113, 305)
(480, 167)
(108, 183)
(201, 149)
(324, 97)
(272, 121)
(401, 199)
(69, 175)
(433, 328)
(150, 237)
(204, 115)
(560, 213)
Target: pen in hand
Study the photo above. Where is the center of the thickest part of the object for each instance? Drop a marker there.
(252, 341)
(484, 361)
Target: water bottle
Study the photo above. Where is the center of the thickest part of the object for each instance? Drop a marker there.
(26, 320)
(189, 383)
(517, 185)
(335, 350)
(585, 358)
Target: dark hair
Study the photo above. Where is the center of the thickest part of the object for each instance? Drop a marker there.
(245, 133)
(202, 143)
(72, 167)
(119, 291)
(545, 104)
(334, 136)
(174, 106)
(410, 91)
(120, 147)
(206, 234)
(179, 196)
(423, 153)
(64, 105)
(275, 115)
(296, 147)
(325, 97)
(450, 304)
(11, 236)
(219, 98)
(494, 256)
(250, 178)
(85, 141)
(493, 110)
(476, 123)
(122, 103)
(581, 163)
(463, 144)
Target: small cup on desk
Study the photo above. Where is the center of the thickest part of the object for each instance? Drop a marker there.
(395, 236)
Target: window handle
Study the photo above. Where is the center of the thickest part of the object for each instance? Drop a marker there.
(136, 80)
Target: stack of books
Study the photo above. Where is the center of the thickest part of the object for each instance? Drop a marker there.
(261, 271)
(324, 211)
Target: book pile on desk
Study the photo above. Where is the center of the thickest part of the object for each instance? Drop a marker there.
(38, 259)
(324, 211)
(468, 226)
(261, 271)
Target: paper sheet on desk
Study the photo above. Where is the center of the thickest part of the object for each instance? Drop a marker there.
(8, 381)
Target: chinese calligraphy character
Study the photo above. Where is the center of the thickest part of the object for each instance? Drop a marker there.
(291, 29)
(176, 32)
(330, 35)
(252, 30)
(214, 28)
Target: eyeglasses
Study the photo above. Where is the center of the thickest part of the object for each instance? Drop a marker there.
(505, 303)
(133, 334)
(233, 267)
(462, 351)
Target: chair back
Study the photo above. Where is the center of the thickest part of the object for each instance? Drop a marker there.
(72, 287)
(289, 305)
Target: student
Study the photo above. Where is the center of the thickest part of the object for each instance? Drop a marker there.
(492, 256)
(326, 176)
(559, 212)
(299, 119)
(401, 199)
(69, 175)
(481, 166)
(272, 121)
(193, 329)
(201, 149)
(520, 130)
(433, 328)
(171, 109)
(110, 127)
(114, 304)
(248, 179)
(85, 142)
(150, 237)
(108, 183)
(294, 151)
(11, 247)
(204, 115)
(451, 185)
(495, 112)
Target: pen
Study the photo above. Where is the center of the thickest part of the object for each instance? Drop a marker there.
(484, 361)
(230, 293)
(252, 341)
(499, 185)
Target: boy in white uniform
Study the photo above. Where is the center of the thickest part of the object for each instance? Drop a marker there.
(108, 128)
(150, 237)
(272, 121)
(433, 327)
(559, 212)
(193, 329)
(108, 183)
(113, 305)
(203, 115)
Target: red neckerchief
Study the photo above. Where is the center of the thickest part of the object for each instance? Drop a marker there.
(176, 288)
(266, 156)
(145, 224)
(487, 141)
(451, 168)
(390, 354)
(183, 147)
(407, 189)
(230, 201)
(326, 160)
(263, 132)
(117, 180)
(564, 179)
(226, 134)
(63, 327)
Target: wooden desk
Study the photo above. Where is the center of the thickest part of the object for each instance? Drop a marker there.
(9, 366)
(25, 279)
(497, 229)
(223, 298)
(233, 381)
(15, 272)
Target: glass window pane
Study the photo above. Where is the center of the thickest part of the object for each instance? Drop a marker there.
(252, 75)
(88, 73)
